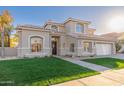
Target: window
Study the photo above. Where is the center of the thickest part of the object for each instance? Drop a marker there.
(54, 28)
(87, 46)
(72, 47)
(79, 28)
(36, 44)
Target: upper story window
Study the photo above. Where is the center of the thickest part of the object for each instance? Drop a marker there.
(54, 28)
(79, 28)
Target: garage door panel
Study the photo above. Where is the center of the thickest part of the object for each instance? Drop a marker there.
(103, 49)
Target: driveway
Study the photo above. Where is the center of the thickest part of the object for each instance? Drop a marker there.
(106, 78)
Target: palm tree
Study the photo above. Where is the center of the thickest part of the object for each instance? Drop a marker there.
(5, 20)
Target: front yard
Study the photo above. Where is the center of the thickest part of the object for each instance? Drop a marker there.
(113, 63)
(40, 71)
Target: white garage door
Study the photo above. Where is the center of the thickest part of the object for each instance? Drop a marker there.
(103, 49)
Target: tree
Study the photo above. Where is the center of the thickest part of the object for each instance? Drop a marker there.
(118, 46)
(7, 32)
(7, 35)
(14, 40)
(5, 20)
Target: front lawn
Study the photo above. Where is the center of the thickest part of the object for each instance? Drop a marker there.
(113, 63)
(40, 71)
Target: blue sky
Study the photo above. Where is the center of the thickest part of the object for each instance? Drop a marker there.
(39, 15)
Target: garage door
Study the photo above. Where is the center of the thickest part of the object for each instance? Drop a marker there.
(103, 49)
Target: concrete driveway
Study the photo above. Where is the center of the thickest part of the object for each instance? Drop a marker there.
(106, 78)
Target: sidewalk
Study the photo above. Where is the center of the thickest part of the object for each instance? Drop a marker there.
(107, 78)
(9, 58)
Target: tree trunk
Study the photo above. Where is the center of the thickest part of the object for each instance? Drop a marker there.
(8, 41)
(2, 43)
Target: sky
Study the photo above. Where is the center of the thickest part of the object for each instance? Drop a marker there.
(102, 17)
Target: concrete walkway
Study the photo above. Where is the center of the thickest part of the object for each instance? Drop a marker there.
(120, 56)
(86, 64)
(107, 78)
(9, 58)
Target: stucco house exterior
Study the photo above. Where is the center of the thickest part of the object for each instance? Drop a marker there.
(73, 37)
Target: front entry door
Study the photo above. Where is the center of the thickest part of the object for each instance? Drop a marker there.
(54, 47)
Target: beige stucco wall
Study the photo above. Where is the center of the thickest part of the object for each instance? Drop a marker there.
(80, 48)
(70, 27)
(64, 41)
(9, 52)
(62, 48)
(70, 40)
(24, 46)
(61, 29)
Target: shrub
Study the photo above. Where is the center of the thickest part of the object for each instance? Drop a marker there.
(118, 47)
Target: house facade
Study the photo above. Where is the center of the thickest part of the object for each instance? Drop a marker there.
(73, 37)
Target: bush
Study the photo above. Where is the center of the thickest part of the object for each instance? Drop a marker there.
(118, 47)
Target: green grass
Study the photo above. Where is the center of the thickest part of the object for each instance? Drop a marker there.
(107, 62)
(40, 71)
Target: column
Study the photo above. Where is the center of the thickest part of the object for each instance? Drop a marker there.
(79, 47)
(113, 49)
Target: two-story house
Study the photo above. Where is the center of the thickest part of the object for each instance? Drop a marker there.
(72, 37)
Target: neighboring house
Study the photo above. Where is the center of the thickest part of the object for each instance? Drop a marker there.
(121, 43)
(113, 35)
(72, 37)
(118, 37)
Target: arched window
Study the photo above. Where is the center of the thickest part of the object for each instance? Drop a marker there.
(36, 44)
(54, 28)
